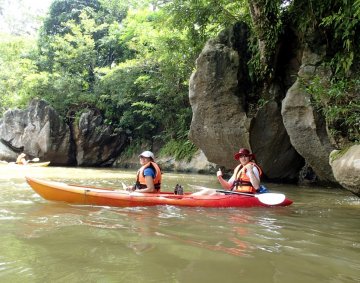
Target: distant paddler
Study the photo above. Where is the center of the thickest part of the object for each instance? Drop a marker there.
(21, 159)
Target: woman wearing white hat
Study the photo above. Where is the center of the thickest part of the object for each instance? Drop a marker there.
(21, 159)
(148, 177)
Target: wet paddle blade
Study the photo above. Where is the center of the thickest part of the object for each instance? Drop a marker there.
(271, 198)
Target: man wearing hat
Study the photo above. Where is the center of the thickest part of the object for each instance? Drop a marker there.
(148, 177)
(246, 177)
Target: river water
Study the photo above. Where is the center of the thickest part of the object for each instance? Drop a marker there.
(316, 239)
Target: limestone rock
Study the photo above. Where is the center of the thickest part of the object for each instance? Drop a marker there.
(39, 131)
(219, 94)
(214, 104)
(306, 129)
(346, 168)
(271, 145)
(97, 144)
(198, 164)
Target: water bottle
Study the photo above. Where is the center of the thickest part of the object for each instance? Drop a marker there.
(262, 189)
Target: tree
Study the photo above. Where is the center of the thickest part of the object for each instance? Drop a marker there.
(15, 66)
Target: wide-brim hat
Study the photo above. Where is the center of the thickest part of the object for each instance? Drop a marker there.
(147, 154)
(244, 151)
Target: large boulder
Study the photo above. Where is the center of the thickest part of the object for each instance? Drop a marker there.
(271, 144)
(345, 165)
(97, 144)
(305, 127)
(219, 124)
(219, 94)
(198, 164)
(6, 151)
(39, 131)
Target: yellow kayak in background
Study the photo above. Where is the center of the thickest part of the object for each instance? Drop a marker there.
(31, 164)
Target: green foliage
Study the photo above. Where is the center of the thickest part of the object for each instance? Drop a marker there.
(126, 104)
(15, 66)
(180, 149)
(203, 18)
(332, 23)
(62, 11)
(344, 22)
(339, 102)
(133, 149)
(267, 26)
(153, 93)
(132, 60)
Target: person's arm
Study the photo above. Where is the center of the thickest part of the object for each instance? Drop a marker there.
(149, 185)
(149, 179)
(254, 178)
(226, 185)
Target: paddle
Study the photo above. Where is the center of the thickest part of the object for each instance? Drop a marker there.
(124, 186)
(36, 159)
(107, 190)
(265, 198)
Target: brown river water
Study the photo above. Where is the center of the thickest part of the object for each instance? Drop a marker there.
(316, 239)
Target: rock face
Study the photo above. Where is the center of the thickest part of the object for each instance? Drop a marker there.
(198, 164)
(306, 129)
(39, 131)
(220, 125)
(290, 139)
(214, 104)
(97, 144)
(346, 168)
(271, 144)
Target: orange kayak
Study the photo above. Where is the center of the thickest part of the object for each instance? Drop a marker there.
(75, 194)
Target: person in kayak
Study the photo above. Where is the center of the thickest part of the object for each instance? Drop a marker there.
(246, 176)
(21, 159)
(148, 177)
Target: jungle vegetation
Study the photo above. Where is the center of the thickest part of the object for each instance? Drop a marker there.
(132, 60)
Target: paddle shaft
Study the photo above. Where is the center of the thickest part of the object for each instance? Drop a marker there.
(221, 191)
(236, 193)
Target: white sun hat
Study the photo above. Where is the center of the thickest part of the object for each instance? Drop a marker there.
(147, 154)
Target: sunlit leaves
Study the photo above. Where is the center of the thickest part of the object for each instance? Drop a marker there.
(339, 102)
(15, 66)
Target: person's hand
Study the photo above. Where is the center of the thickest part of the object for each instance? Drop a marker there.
(219, 173)
(130, 188)
(249, 166)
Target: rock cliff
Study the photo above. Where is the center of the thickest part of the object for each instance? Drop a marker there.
(40, 132)
(288, 137)
(222, 122)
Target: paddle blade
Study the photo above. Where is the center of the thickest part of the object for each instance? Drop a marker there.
(271, 198)
(124, 186)
(36, 159)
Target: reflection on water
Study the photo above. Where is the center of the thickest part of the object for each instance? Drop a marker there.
(314, 240)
